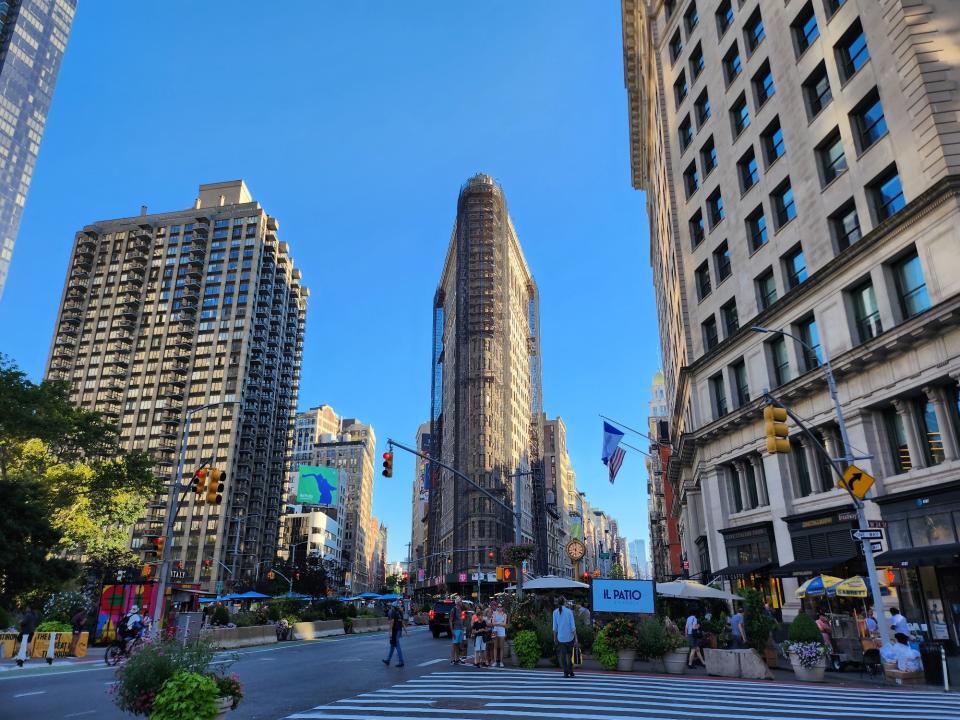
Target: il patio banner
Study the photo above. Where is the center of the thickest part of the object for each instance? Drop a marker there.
(622, 596)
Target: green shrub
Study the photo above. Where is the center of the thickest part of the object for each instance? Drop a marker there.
(186, 695)
(586, 635)
(63, 606)
(527, 647)
(757, 623)
(245, 619)
(221, 616)
(654, 640)
(621, 633)
(54, 626)
(283, 607)
(804, 629)
(605, 654)
(543, 627)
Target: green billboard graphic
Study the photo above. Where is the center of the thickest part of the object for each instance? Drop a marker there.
(317, 486)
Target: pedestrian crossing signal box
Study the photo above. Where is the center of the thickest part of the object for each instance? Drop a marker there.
(505, 573)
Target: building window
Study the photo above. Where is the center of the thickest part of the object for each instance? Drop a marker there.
(866, 314)
(779, 361)
(887, 195)
(724, 17)
(691, 179)
(691, 18)
(773, 144)
(830, 157)
(733, 482)
(721, 262)
(754, 31)
(708, 156)
(868, 121)
(711, 337)
(702, 108)
(804, 486)
(703, 281)
(676, 46)
(766, 290)
(852, 53)
(784, 208)
(686, 133)
(846, 226)
(748, 170)
(715, 208)
(930, 433)
(807, 332)
(740, 388)
(719, 394)
(805, 29)
(757, 229)
(696, 62)
(731, 321)
(697, 232)
(670, 6)
(680, 88)
(911, 289)
(816, 90)
(763, 84)
(897, 437)
(732, 66)
(794, 267)
(740, 115)
(832, 6)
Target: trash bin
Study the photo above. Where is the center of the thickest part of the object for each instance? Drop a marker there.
(932, 663)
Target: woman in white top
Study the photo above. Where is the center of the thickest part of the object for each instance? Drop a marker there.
(499, 634)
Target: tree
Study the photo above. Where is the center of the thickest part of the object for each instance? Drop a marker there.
(616, 572)
(393, 582)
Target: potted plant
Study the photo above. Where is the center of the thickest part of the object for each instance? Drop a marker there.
(605, 655)
(526, 646)
(717, 631)
(229, 693)
(655, 641)
(758, 625)
(186, 696)
(676, 657)
(804, 646)
(621, 636)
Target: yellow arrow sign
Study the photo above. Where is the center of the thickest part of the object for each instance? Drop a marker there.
(859, 481)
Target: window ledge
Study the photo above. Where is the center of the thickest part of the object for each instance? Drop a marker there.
(755, 250)
(770, 164)
(847, 81)
(835, 178)
(744, 193)
(864, 151)
(811, 119)
(716, 225)
(787, 224)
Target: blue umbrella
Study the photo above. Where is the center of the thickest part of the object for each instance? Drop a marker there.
(368, 595)
(390, 596)
(250, 595)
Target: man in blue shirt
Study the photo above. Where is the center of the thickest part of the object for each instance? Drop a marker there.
(564, 635)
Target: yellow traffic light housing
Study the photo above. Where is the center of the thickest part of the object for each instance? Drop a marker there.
(215, 486)
(504, 573)
(775, 426)
(160, 542)
(200, 480)
(388, 464)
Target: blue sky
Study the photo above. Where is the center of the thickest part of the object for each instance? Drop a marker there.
(355, 125)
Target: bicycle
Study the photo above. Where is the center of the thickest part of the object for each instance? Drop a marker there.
(115, 651)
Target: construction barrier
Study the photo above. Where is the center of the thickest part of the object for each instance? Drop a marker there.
(61, 647)
(8, 644)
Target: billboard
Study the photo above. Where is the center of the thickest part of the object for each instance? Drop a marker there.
(622, 596)
(317, 486)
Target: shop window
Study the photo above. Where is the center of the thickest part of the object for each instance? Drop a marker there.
(930, 433)
(932, 529)
(897, 439)
(898, 534)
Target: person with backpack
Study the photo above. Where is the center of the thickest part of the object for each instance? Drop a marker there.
(397, 627)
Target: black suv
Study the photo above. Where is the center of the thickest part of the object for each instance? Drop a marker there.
(440, 616)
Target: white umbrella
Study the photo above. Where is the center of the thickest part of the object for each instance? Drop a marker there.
(551, 582)
(693, 590)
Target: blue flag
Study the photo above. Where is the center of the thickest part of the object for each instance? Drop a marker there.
(611, 439)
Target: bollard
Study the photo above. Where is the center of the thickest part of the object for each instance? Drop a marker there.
(22, 653)
(51, 648)
(943, 664)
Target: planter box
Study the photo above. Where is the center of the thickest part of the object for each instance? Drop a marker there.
(736, 663)
(368, 624)
(810, 674)
(625, 660)
(675, 662)
(242, 636)
(317, 629)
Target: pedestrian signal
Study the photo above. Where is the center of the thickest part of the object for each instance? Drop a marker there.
(199, 480)
(388, 464)
(504, 573)
(147, 571)
(160, 542)
(271, 575)
(775, 425)
(215, 486)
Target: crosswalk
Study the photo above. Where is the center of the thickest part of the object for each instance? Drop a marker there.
(528, 695)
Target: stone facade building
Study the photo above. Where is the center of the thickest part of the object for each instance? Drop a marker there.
(162, 314)
(801, 169)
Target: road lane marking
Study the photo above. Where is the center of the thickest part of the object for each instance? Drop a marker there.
(432, 662)
(35, 692)
(85, 712)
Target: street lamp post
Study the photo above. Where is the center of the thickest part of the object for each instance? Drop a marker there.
(173, 506)
(848, 459)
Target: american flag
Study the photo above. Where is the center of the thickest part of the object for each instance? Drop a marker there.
(616, 460)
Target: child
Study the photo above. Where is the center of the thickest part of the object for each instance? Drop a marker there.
(479, 644)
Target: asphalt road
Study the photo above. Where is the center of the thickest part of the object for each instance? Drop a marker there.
(278, 679)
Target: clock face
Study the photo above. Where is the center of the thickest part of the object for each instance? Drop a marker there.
(575, 549)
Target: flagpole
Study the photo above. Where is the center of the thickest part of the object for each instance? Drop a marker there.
(627, 427)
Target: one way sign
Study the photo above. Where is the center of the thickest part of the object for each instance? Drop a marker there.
(873, 534)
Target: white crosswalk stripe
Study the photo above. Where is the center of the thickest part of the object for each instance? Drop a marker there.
(474, 694)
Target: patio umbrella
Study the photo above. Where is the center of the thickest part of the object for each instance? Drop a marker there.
(693, 590)
(368, 595)
(816, 586)
(854, 586)
(251, 595)
(390, 596)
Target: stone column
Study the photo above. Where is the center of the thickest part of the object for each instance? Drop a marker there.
(937, 395)
(714, 515)
(905, 409)
(740, 465)
(757, 463)
(812, 470)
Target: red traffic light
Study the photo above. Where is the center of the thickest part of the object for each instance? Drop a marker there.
(388, 456)
(388, 464)
(490, 555)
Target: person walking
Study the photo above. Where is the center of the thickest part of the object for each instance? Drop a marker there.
(499, 634)
(28, 625)
(898, 623)
(738, 631)
(564, 635)
(77, 622)
(397, 627)
(693, 640)
(456, 632)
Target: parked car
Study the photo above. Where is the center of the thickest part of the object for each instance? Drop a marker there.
(440, 616)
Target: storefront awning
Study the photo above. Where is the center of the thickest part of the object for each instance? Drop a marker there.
(926, 555)
(816, 565)
(742, 570)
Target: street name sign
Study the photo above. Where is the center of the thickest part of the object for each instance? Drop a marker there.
(623, 596)
(876, 546)
(873, 534)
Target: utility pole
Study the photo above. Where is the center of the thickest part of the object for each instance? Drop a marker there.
(848, 459)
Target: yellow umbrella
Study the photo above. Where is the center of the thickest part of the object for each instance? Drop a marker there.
(851, 587)
(817, 586)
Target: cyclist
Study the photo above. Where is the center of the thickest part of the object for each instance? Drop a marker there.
(130, 627)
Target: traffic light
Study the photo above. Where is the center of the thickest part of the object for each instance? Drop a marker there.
(271, 575)
(199, 480)
(147, 571)
(504, 573)
(775, 425)
(215, 487)
(490, 555)
(388, 464)
(586, 576)
(160, 542)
